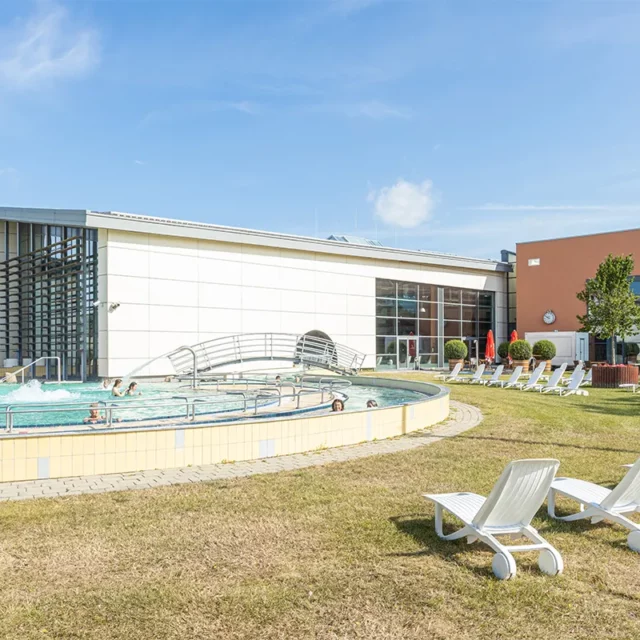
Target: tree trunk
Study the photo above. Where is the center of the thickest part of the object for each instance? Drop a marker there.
(614, 347)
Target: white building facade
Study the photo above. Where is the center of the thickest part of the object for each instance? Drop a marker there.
(160, 284)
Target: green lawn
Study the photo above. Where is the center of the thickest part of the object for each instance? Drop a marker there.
(344, 551)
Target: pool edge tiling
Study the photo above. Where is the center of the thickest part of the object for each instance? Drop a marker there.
(59, 455)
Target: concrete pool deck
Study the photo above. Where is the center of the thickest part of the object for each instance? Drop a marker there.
(463, 418)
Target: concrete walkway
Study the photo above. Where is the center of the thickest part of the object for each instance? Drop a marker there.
(464, 417)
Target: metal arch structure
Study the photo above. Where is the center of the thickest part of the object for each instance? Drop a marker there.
(198, 360)
(256, 347)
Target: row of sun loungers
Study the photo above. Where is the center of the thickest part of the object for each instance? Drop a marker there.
(534, 382)
(514, 501)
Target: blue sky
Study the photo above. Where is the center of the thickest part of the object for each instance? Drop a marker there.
(453, 126)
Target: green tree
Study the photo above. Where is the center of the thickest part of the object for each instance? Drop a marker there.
(611, 304)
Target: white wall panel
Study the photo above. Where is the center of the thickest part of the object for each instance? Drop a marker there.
(173, 292)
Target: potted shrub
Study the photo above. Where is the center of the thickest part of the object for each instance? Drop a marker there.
(520, 352)
(632, 349)
(544, 351)
(503, 350)
(455, 351)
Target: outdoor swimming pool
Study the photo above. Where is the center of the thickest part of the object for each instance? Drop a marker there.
(37, 405)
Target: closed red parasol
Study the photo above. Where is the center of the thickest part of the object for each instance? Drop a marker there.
(490, 351)
(514, 336)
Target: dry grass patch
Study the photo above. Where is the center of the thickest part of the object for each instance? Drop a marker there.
(343, 551)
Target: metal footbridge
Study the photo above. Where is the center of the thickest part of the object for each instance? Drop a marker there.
(199, 360)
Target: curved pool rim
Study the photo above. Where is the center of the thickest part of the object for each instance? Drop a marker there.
(29, 456)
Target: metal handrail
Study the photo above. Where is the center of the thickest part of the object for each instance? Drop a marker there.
(33, 364)
(12, 410)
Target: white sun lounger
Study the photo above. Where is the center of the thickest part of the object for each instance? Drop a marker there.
(587, 379)
(476, 378)
(452, 375)
(574, 386)
(552, 383)
(576, 369)
(506, 384)
(495, 377)
(600, 503)
(533, 379)
(509, 509)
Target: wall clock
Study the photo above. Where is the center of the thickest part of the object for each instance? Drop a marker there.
(549, 317)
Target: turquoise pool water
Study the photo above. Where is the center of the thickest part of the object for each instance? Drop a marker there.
(32, 403)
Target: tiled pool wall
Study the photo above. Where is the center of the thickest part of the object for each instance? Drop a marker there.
(117, 450)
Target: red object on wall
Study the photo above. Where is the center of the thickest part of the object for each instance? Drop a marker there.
(606, 377)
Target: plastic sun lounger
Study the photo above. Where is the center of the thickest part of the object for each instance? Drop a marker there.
(533, 379)
(452, 375)
(587, 380)
(552, 383)
(577, 368)
(495, 377)
(506, 384)
(476, 378)
(509, 509)
(600, 503)
(573, 388)
(629, 385)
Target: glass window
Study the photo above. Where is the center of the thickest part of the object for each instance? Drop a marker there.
(469, 329)
(386, 326)
(428, 309)
(485, 314)
(428, 345)
(386, 362)
(385, 308)
(407, 291)
(451, 312)
(385, 289)
(469, 314)
(428, 293)
(469, 297)
(451, 295)
(452, 329)
(407, 308)
(407, 327)
(386, 345)
(428, 360)
(485, 299)
(428, 327)
(483, 328)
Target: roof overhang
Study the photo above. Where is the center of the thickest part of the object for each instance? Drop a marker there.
(135, 223)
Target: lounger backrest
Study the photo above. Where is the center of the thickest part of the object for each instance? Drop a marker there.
(497, 373)
(588, 376)
(456, 370)
(627, 491)
(479, 371)
(579, 366)
(575, 381)
(517, 372)
(518, 494)
(535, 376)
(555, 377)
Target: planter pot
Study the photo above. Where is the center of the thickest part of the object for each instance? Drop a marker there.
(612, 377)
(521, 363)
(538, 360)
(453, 363)
(632, 359)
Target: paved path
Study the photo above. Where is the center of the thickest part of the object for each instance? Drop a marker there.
(464, 417)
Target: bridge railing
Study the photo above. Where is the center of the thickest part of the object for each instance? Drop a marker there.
(299, 348)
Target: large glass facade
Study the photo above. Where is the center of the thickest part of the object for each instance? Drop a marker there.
(415, 320)
(48, 290)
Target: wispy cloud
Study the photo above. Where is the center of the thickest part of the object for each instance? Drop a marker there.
(45, 47)
(372, 109)
(140, 162)
(498, 206)
(198, 109)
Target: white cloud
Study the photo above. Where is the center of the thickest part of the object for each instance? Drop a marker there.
(198, 109)
(405, 204)
(139, 162)
(45, 47)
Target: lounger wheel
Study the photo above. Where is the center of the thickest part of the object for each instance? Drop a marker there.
(550, 562)
(633, 540)
(504, 566)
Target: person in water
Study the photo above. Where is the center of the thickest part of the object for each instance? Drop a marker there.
(94, 414)
(133, 390)
(116, 389)
(371, 404)
(106, 383)
(337, 405)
